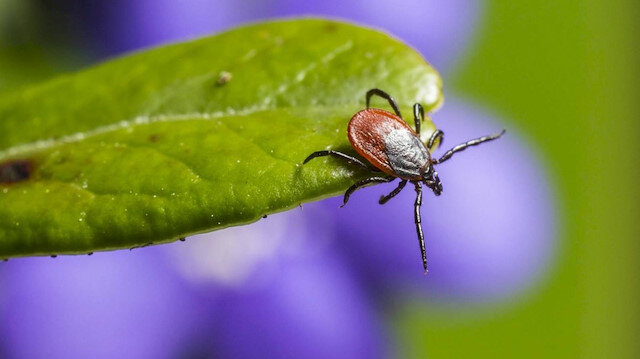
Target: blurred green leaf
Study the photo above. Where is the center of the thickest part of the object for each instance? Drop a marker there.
(194, 136)
(23, 58)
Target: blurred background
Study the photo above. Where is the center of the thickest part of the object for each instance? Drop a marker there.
(532, 244)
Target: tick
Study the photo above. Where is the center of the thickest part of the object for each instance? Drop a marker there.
(395, 150)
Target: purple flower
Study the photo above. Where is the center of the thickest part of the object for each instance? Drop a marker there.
(110, 305)
(310, 310)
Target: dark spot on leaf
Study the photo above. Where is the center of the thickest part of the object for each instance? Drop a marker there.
(15, 171)
(154, 138)
(223, 78)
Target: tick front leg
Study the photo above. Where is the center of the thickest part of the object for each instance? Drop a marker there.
(362, 183)
(335, 154)
(385, 96)
(463, 146)
(385, 199)
(418, 219)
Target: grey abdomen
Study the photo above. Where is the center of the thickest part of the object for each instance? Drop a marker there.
(406, 153)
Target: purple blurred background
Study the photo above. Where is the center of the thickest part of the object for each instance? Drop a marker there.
(318, 282)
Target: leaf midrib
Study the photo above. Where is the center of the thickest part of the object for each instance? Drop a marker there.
(31, 147)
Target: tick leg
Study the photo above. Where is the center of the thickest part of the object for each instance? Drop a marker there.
(385, 199)
(463, 146)
(418, 116)
(438, 135)
(417, 205)
(336, 154)
(362, 183)
(385, 96)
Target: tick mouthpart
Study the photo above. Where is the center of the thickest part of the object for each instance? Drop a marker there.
(431, 180)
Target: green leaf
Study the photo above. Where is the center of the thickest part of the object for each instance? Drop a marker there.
(194, 136)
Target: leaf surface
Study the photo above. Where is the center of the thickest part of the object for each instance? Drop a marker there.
(194, 136)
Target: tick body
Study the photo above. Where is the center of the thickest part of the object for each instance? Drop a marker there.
(395, 151)
(388, 143)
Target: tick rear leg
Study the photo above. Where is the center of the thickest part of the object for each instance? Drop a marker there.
(362, 183)
(436, 136)
(336, 154)
(385, 96)
(418, 221)
(418, 116)
(385, 199)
